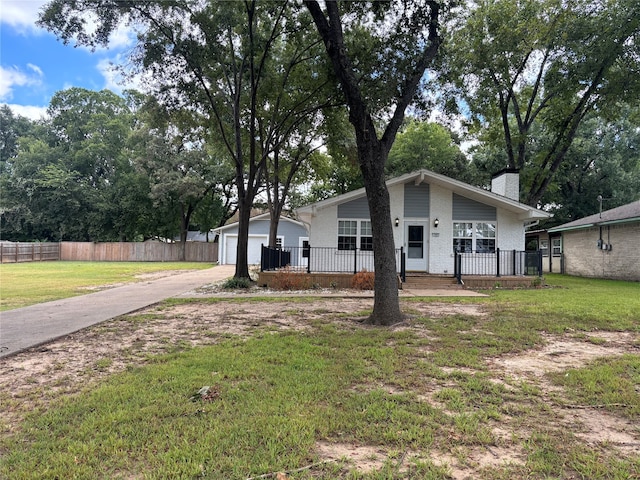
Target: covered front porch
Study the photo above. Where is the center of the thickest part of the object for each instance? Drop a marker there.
(328, 267)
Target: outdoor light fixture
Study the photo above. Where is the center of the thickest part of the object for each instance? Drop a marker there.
(436, 222)
(397, 221)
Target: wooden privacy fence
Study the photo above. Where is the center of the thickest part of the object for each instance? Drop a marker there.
(11, 252)
(138, 251)
(108, 252)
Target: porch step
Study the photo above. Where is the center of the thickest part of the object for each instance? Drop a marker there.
(426, 282)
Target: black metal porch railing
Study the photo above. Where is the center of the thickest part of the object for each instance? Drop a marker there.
(498, 263)
(323, 260)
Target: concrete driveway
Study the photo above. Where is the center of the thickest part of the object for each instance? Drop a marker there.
(31, 326)
(35, 325)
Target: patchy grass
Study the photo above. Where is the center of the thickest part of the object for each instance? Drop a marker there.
(430, 398)
(36, 282)
(608, 383)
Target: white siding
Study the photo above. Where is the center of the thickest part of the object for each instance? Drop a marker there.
(441, 239)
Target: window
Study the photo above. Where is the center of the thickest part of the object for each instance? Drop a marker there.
(556, 246)
(366, 236)
(354, 234)
(469, 237)
(347, 234)
(544, 247)
(462, 237)
(279, 242)
(485, 237)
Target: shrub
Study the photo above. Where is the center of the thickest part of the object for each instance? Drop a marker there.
(288, 279)
(363, 280)
(234, 283)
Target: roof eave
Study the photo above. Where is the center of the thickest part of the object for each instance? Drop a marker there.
(594, 224)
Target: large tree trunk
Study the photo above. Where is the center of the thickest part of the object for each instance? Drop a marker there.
(242, 260)
(386, 303)
(274, 217)
(185, 218)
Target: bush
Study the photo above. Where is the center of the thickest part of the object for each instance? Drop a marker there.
(235, 283)
(288, 279)
(363, 280)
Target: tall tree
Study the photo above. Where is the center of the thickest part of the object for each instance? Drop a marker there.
(543, 65)
(12, 127)
(218, 58)
(379, 65)
(431, 146)
(63, 172)
(603, 161)
(177, 165)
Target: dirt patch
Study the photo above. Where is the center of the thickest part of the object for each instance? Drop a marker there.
(70, 364)
(562, 353)
(592, 424)
(364, 458)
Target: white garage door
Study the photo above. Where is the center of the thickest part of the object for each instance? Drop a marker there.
(253, 252)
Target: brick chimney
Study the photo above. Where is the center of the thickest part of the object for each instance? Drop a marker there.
(507, 183)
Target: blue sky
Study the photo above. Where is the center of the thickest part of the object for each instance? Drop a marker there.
(34, 64)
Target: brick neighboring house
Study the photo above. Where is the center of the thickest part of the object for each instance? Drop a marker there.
(603, 245)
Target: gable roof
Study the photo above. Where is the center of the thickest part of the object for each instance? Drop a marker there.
(263, 216)
(524, 212)
(623, 214)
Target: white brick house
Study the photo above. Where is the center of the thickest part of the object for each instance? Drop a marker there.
(433, 216)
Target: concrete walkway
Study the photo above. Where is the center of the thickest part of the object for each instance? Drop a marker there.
(35, 325)
(31, 326)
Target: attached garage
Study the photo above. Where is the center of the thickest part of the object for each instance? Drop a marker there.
(290, 234)
(253, 250)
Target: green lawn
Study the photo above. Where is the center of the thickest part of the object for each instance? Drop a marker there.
(411, 392)
(23, 284)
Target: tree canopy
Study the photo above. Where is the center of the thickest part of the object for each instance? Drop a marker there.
(99, 170)
(432, 146)
(247, 68)
(529, 72)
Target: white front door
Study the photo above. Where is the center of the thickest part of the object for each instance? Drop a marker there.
(416, 245)
(303, 251)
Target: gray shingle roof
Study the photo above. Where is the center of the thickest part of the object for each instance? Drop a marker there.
(625, 213)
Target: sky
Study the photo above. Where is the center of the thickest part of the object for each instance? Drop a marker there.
(34, 65)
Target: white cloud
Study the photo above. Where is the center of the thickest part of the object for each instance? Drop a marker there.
(36, 69)
(122, 37)
(13, 76)
(29, 111)
(114, 80)
(21, 14)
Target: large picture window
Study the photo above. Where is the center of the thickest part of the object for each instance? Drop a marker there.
(469, 237)
(354, 234)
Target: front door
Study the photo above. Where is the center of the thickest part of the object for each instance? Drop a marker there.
(415, 245)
